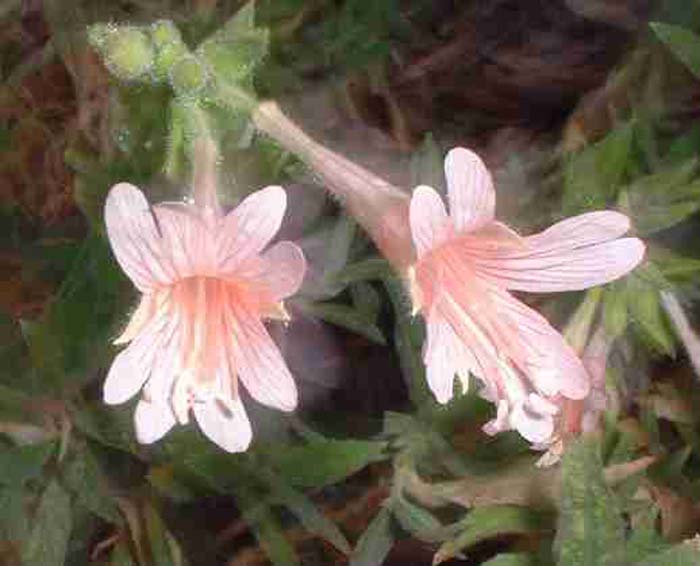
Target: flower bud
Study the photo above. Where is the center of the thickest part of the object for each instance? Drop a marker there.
(127, 51)
(188, 76)
(169, 48)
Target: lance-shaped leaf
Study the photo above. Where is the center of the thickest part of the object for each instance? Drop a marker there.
(682, 42)
(484, 523)
(48, 541)
(375, 543)
(236, 48)
(590, 530)
(333, 460)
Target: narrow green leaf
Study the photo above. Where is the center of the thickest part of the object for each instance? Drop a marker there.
(488, 522)
(14, 522)
(651, 218)
(164, 549)
(591, 530)
(645, 540)
(83, 476)
(615, 309)
(408, 341)
(684, 554)
(612, 158)
(333, 460)
(579, 325)
(265, 525)
(645, 312)
(366, 270)
(678, 268)
(375, 543)
(48, 541)
(416, 520)
(345, 317)
(366, 300)
(234, 51)
(519, 559)
(306, 512)
(120, 555)
(20, 464)
(682, 42)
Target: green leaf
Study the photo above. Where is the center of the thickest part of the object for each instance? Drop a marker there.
(51, 527)
(678, 268)
(612, 158)
(593, 176)
(14, 522)
(684, 44)
(164, 549)
(653, 218)
(110, 426)
(684, 554)
(366, 270)
(519, 559)
(345, 317)
(306, 512)
(120, 555)
(590, 530)
(236, 48)
(73, 336)
(488, 522)
(408, 341)
(375, 543)
(615, 309)
(83, 476)
(21, 464)
(416, 520)
(578, 327)
(333, 460)
(265, 525)
(645, 540)
(366, 300)
(645, 312)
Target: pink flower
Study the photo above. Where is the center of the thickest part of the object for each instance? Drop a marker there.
(207, 285)
(466, 265)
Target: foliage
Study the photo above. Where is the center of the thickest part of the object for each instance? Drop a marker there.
(76, 488)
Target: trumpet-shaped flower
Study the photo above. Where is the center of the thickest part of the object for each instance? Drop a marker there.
(207, 283)
(467, 264)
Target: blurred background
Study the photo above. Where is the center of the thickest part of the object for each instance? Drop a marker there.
(574, 105)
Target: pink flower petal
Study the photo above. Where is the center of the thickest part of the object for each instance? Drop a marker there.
(135, 239)
(258, 361)
(541, 353)
(167, 365)
(444, 356)
(248, 228)
(534, 427)
(470, 189)
(580, 231)
(428, 219)
(132, 366)
(439, 362)
(139, 319)
(225, 424)
(280, 270)
(152, 420)
(188, 233)
(500, 422)
(563, 270)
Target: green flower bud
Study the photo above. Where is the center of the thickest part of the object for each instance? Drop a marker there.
(128, 53)
(188, 76)
(164, 32)
(169, 48)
